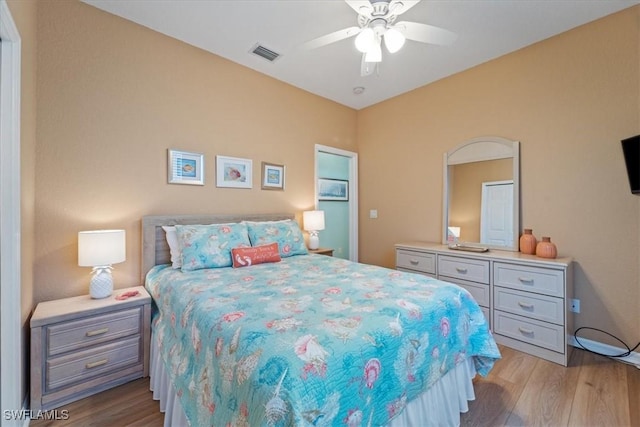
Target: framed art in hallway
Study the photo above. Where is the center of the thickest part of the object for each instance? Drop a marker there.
(272, 176)
(333, 189)
(185, 167)
(234, 172)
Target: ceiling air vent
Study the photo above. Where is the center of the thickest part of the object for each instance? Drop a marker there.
(265, 53)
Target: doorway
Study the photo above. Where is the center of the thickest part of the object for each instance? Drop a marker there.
(496, 218)
(11, 358)
(341, 216)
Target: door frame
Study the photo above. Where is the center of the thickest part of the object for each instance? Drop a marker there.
(353, 192)
(10, 329)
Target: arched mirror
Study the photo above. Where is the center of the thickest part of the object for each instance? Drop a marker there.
(481, 202)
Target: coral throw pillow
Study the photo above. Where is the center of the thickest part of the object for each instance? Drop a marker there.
(244, 257)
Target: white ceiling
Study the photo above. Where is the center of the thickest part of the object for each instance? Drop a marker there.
(486, 29)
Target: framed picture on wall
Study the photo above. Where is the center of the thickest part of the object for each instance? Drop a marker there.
(333, 189)
(272, 176)
(185, 167)
(234, 172)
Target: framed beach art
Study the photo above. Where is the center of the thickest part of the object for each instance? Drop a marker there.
(234, 172)
(272, 176)
(185, 167)
(333, 190)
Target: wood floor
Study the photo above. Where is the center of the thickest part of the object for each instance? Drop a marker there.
(521, 390)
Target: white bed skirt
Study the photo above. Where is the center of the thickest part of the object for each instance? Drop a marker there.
(441, 405)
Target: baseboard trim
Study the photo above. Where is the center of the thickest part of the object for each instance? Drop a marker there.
(598, 347)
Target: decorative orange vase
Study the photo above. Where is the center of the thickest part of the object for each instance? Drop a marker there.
(546, 248)
(528, 242)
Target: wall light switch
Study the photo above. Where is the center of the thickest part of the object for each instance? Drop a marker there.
(373, 213)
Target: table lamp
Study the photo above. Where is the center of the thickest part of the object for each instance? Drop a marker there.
(99, 249)
(313, 222)
(453, 235)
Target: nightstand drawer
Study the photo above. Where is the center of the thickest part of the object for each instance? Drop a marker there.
(463, 268)
(531, 279)
(417, 261)
(79, 334)
(531, 331)
(82, 366)
(541, 307)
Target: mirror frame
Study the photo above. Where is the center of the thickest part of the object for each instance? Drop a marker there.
(481, 149)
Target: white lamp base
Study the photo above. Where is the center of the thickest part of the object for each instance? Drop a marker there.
(314, 240)
(101, 285)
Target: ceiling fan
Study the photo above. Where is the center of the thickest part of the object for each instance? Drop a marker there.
(377, 24)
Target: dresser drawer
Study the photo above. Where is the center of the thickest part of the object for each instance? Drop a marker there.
(532, 279)
(82, 366)
(487, 315)
(531, 331)
(417, 261)
(479, 291)
(541, 307)
(463, 268)
(82, 333)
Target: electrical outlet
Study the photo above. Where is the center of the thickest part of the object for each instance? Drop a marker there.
(575, 305)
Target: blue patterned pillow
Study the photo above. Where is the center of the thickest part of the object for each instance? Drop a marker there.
(209, 246)
(286, 234)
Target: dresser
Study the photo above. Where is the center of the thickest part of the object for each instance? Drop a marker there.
(525, 299)
(81, 346)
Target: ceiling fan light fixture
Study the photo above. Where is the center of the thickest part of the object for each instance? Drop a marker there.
(393, 40)
(366, 40)
(374, 55)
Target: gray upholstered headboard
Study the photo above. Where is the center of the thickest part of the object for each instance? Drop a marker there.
(155, 249)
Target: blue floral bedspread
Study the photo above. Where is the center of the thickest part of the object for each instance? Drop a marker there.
(310, 340)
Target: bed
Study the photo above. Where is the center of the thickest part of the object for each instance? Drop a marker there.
(294, 339)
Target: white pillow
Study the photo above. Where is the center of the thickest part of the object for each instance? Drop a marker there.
(174, 246)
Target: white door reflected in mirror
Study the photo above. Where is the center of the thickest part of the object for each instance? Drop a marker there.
(496, 219)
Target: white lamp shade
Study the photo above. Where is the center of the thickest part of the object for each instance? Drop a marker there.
(393, 40)
(365, 40)
(313, 220)
(101, 247)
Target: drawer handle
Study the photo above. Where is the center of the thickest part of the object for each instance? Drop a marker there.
(414, 261)
(525, 279)
(525, 305)
(96, 364)
(97, 332)
(461, 270)
(525, 331)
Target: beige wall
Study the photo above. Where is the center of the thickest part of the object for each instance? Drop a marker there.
(569, 100)
(113, 96)
(24, 16)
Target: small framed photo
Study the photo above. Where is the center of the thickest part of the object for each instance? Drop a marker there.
(272, 176)
(234, 172)
(185, 167)
(333, 189)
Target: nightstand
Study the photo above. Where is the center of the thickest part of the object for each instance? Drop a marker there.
(322, 251)
(81, 346)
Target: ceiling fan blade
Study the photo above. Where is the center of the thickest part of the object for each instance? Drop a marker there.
(398, 7)
(362, 7)
(367, 68)
(331, 38)
(426, 33)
